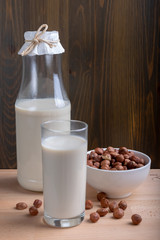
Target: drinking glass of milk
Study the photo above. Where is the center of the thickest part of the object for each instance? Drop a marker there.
(41, 97)
(64, 151)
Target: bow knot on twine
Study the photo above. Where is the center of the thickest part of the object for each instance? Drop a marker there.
(37, 40)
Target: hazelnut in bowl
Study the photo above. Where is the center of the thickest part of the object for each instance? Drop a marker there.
(117, 171)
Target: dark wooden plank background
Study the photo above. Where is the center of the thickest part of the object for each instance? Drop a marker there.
(110, 68)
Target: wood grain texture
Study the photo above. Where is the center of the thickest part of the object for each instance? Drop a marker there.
(145, 201)
(115, 45)
(110, 68)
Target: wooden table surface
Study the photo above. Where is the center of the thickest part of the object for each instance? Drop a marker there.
(15, 224)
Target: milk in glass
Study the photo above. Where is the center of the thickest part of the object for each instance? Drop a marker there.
(64, 176)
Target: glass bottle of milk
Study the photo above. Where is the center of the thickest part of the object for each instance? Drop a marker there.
(41, 97)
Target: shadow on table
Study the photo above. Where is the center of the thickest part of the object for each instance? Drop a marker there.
(28, 224)
(10, 183)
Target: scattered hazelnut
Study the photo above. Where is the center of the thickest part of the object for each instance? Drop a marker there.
(117, 164)
(97, 164)
(102, 212)
(123, 150)
(130, 154)
(104, 202)
(126, 155)
(33, 211)
(37, 203)
(138, 160)
(106, 156)
(94, 217)
(105, 162)
(126, 161)
(113, 161)
(90, 163)
(99, 151)
(113, 205)
(21, 205)
(119, 167)
(134, 158)
(120, 158)
(114, 154)
(105, 167)
(92, 155)
(130, 165)
(141, 161)
(118, 213)
(110, 149)
(122, 204)
(101, 195)
(134, 164)
(97, 158)
(139, 165)
(94, 166)
(116, 208)
(89, 204)
(136, 219)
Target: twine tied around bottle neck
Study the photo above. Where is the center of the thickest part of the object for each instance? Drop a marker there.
(37, 40)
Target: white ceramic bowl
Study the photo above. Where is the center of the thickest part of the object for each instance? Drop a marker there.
(118, 184)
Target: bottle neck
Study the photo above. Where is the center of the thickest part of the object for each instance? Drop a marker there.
(42, 78)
